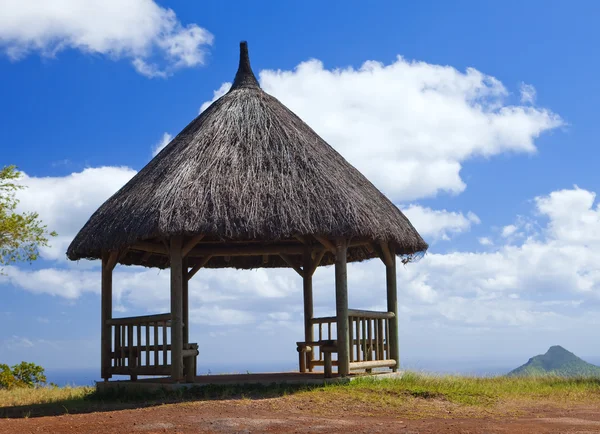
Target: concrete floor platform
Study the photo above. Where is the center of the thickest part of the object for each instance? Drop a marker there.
(265, 379)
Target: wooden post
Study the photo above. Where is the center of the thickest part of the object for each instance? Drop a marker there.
(327, 365)
(185, 302)
(308, 305)
(392, 306)
(176, 308)
(341, 306)
(187, 369)
(105, 315)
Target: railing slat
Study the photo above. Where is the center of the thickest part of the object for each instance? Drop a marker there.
(147, 361)
(165, 344)
(387, 339)
(131, 355)
(138, 344)
(139, 319)
(123, 343)
(370, 334)
(351, 337)
(376, 334)
(117, 344)
(156, 363)
(364, 338)
(359, 355)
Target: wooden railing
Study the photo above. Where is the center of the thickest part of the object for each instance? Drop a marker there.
(325, 332)
(141, 345)
(368, 336)
(368, 333)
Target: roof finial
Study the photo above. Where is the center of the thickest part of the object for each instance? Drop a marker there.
(244, 77)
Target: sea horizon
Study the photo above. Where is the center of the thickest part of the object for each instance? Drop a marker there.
(89, 376)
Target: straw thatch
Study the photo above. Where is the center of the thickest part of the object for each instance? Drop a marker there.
(247, 170)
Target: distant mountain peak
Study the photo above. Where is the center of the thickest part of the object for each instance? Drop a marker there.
(556, 361)
(557, 349)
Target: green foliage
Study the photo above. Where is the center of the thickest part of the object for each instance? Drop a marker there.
(22, 375)
(7, 379)
(557, 361)
(21, 234)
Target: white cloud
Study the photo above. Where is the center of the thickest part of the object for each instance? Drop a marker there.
(508, 231)
(164, 141)
(485, 241)
(66, 203)
(15, 343)
(573, 217)
(546, 276)
(151, 36)
(439, 224)
(408, 126)
(60, 282)
(216, 95)
(555, 262)
(528, 94)
(546, 281)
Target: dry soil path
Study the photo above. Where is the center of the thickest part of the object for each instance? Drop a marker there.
(260, 417)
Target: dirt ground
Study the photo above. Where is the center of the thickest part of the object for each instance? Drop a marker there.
(283, 415)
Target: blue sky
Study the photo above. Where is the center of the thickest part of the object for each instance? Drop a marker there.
(483, 131)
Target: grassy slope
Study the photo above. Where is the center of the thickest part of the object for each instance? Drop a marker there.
(486, 390)
(410, 392)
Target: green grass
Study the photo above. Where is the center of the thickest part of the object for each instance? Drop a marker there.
(424, 393)
(43, 395)
(481, 390)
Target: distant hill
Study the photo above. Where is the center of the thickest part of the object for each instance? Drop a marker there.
(557, 361)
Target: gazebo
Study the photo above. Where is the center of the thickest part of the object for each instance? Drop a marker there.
(247, 184)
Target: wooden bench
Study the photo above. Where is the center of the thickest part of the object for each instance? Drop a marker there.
(190, 360)
(306, 352)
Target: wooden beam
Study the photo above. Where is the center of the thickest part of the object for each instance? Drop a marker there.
(142, 319)
(146, 256)
(265, 259)
(315, 262)
(106, 313)
(386, 254)
(307, 290)
(291, 263)
(301, 239)
(219, 250)
(122, 255)
(176, 308)
(373, 364)
(392, 306)
(341, 306)
(188, 363)
(191, 244)
(371, 314)
(185, 306)
(113, 257)
(198, 266)
(242, 250)
(328, 244)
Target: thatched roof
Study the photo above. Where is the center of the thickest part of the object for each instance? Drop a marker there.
(246, 171)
